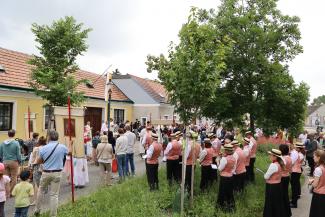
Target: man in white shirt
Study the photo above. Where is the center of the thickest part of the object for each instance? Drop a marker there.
(130, 150)
(104, 127)
(120, 151)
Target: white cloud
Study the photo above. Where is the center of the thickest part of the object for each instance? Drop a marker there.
(126, 31)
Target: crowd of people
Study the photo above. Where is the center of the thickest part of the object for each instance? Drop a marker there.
(223, 155)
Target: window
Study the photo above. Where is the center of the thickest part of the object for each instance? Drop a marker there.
(46, 117)
(119, 116)
(143, 121)
(6, 111)
(166, 117)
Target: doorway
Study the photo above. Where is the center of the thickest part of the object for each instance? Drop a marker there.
(94, 115)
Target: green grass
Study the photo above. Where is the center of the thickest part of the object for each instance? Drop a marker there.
(132, 198)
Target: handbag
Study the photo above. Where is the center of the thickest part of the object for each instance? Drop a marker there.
(97, 157)
(114, 165)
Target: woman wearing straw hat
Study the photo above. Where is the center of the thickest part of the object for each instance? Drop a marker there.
(206, 161)
(297, 157)
(152, 164)
(227, 168)
(285, 180)
(318, 182)
(273, 206)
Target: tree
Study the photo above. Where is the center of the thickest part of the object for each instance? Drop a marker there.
(192, 69)
(53, 73)
(318, 101)
(256, 80)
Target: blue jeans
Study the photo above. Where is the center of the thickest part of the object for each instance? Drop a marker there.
(129, 159)
(21, 211)
(121, 165)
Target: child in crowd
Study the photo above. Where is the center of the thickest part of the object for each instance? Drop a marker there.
(4, 189)
(22, 193)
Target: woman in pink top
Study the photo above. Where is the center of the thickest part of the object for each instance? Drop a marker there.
(297, 157)
(285, 180)
(205, 159)
(227, 168)
(274, 206)
(318, 183)
(4, 189)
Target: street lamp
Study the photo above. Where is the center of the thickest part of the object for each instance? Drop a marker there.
(109, 90)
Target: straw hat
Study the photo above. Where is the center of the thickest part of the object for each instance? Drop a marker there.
(207, 140)
(248, 132)
(178, 133)
(275, 152)
(104, 139)
(235, 142)
(211, 135)
(154, 136)
(228, 147)
(299, 145)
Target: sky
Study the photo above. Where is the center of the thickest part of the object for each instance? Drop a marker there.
(124, 32)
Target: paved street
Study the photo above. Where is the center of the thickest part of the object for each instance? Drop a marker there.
(65, 191)
(305, 199)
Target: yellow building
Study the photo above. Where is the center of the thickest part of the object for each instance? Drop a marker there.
(16, 99)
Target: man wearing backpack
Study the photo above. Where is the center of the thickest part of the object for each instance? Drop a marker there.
(11, 157)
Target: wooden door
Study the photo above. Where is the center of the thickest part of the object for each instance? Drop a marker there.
(94, 115)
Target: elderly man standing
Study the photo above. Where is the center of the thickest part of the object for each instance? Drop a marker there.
(52, 156)
(11, 157)
(130, 150)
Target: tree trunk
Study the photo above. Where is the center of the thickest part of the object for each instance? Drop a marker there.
(183, 173)
(192, 178)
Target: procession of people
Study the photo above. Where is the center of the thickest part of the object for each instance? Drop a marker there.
(223, 155)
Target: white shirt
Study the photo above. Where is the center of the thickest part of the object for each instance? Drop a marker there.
(318, 172)
(104, 128)
(273, 168)
(188, 150)
(143, 131)
(150, 151)
(203, 153)
(168, 148)
(294, 156)
(303, 138)
(131, 141)
(121, 145)
(246, 150)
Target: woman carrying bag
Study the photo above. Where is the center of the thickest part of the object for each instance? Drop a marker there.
(104, 153)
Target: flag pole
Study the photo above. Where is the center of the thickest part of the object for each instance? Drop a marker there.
(71, 157)
(28, 115)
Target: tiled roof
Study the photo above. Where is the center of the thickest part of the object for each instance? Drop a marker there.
(17, 73)
(312, 108)
(154, 88)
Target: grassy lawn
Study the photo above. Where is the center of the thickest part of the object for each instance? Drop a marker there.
(132, 198)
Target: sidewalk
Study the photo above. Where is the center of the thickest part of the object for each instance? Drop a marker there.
(304, 201)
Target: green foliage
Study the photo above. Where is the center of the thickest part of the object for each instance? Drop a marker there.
(192, 68)
(53, 72)
(133, 198)
(318, 101)
(256, 80)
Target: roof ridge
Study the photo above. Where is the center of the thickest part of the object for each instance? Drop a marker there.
(17, 52)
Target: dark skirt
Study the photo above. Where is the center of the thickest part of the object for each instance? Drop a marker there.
(205, 177)
(239, 182)
(273, 206)
(226, 200)
(285, 189)
(317, 205)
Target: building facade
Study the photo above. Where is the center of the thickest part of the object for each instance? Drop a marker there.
(19, 104)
